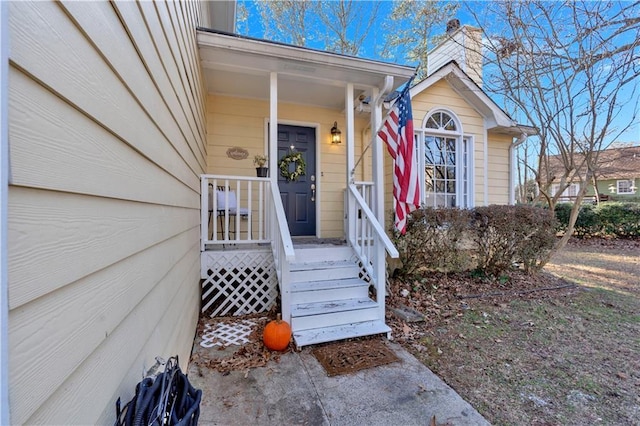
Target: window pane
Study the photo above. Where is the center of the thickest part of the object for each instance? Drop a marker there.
(625, 187)
(449, 124)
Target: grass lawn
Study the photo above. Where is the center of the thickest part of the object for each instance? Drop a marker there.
(567, 353)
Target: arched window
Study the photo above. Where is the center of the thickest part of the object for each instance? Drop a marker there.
(446, 157)
(441, 121)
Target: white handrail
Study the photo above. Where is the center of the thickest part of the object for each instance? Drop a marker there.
(281, 221)
(380, 233)
(281, 247)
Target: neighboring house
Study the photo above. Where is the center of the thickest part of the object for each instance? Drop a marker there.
(618, 173)
(616, 178)
(132, 131)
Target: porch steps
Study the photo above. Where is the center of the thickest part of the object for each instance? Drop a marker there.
(340, 332)
(326, 269)
(329, 300)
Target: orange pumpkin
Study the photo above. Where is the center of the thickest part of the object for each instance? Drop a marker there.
(277, 334)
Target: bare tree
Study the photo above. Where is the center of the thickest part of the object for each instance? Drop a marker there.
(410, 30)
(568, 68)
(347, 23)
(285, 20)
(338, 26)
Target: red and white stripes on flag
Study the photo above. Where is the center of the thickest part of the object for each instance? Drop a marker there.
(397, 133)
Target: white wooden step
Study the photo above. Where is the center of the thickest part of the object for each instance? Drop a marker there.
(317, 271)
(313, 254)
(334, 312)
(340, 332)
(318, 291)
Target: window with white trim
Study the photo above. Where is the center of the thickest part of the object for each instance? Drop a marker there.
(570, 191)
(446, 158)
(625, 186)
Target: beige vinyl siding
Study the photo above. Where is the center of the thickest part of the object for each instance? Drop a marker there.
(239, 122)
(498, 164)
(107, 137)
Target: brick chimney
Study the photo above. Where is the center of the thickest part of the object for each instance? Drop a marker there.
(462, 44)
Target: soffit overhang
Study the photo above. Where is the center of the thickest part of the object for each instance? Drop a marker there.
(240, 66)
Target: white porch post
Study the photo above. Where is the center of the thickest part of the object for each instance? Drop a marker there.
(377, 166)
(379, 259)
(350, 208)
(273, 127)
(285, 298)
(378, 150)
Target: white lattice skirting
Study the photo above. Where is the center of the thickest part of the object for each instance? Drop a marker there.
(238, 282)
(225, 333)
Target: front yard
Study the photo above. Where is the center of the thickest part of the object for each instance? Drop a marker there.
(559, 348)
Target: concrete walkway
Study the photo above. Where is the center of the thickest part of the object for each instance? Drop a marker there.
(297, 391)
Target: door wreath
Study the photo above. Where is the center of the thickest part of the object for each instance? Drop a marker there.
(296, 158)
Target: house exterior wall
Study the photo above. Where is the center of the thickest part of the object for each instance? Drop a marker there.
(239, 122)
(107, 139)
(604, 189)
(498, 162)
(441, 96)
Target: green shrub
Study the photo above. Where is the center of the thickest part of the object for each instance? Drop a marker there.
(588, 223)
(614, 219)
(562, 212)
(618, 219)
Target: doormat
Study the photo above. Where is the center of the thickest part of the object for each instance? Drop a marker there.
(349, 357)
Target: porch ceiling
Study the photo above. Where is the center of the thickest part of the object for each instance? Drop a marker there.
(240, 66)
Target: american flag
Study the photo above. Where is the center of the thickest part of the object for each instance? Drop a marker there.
(397, 133)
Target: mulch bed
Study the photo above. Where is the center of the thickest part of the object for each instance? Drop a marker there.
(351, 356)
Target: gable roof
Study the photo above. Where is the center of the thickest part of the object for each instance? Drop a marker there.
(619, 163)
(495, 118)
(613, 163)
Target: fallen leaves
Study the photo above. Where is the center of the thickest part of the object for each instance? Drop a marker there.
(236, 358)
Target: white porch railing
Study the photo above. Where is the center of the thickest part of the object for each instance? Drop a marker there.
(248, 210)
(366, 190)
(368, 238)
(233, 210)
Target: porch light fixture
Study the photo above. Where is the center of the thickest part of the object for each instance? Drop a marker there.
(336, 134)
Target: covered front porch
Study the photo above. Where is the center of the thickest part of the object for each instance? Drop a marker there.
(249, 224)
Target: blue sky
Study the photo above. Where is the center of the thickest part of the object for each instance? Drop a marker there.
(255, 28)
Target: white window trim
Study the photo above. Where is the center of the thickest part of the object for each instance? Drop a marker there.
(631, 186)
(460, 137)
(566, 194)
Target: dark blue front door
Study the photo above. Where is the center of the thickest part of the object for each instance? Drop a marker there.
(298, 196)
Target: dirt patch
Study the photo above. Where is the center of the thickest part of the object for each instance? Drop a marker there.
(558, 348)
